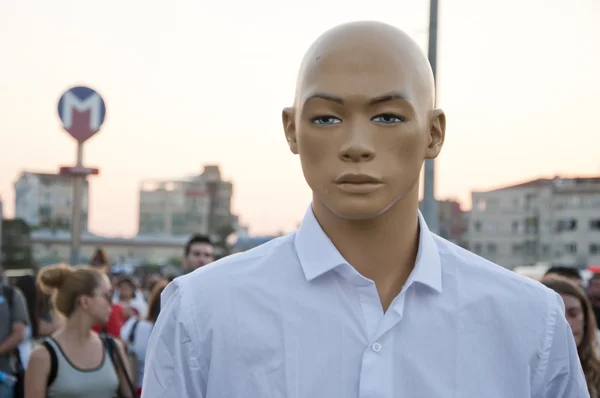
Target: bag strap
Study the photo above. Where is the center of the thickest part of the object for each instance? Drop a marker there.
(117, 361)
(131, 338)
(53, 362)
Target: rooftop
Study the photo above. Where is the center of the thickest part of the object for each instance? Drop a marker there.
(556, 182)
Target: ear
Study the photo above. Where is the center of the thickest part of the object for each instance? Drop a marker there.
(83, 302)
(437, 134)
(288, 117)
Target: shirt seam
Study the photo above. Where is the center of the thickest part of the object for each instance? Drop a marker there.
(544, 353)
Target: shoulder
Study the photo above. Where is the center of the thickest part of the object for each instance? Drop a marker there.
(479, 281)
(226, 271)
(13, 293)
(111, 340)
(472, 268)
(40, 356)
(210, 289)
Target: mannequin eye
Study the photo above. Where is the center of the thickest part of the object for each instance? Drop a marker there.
(326, 120)
(388, 118)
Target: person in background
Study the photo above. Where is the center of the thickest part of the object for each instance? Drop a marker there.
(84, 365)
(569, 273)
(116, 319)
(593, 292)
(27, 285)
(14, 320)
(579, 314)
(99, 259)
(199, 251)
(130, 298)
(136, 332)
(149, 282)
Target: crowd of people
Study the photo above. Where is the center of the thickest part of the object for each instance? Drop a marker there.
(82, 331)
(582, 311)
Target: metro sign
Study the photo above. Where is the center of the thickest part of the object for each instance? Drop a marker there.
(82, 111)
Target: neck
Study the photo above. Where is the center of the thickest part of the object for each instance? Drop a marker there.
(77, 328)
(384, 248)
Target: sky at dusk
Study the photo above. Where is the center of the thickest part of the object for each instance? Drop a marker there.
(188, 82)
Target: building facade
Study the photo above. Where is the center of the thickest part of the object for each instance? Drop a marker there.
(46, 201)
(453, 222)
(553, 221)
(201, 204)
(51, 247)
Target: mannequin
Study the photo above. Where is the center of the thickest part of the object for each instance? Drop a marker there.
(362, 300)
(370, 224)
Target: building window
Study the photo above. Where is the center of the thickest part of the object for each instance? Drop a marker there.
(530, 201)
(531, 225)
(531, 248)
(515, 226)
(477, 248)
(574, 201)
(566, 225)
(481, 205)
(492, 226)
(595, 224)
(594, 248)
(477, 226)
(571, 248)
(492, 248)
(516, 249)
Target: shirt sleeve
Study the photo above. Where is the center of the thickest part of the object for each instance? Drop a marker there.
(172, 367)
(559, 373)
(19, 310)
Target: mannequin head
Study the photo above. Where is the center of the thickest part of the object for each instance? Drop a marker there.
(363, 119)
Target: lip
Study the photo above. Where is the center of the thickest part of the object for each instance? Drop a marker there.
(360, 188)
(357, 179)
(358, 183)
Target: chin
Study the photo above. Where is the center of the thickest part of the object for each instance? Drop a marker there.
(358, 209)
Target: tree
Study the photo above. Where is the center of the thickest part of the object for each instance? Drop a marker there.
(16, 245)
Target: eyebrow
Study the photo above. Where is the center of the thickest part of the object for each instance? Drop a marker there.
(392, 96)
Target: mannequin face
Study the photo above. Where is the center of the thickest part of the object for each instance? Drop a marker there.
(363, 123)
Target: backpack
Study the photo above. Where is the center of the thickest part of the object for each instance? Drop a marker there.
(19, 389)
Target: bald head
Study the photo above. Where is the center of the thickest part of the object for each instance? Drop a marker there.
(364, 106)
(358, 47)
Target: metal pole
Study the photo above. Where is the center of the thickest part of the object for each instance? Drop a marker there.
(76, 218)
(430, 205)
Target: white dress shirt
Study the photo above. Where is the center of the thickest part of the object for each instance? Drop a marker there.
(292, 319)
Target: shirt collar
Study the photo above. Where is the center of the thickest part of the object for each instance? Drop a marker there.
(318, 255)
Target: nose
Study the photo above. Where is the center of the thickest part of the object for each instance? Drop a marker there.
(358, 147)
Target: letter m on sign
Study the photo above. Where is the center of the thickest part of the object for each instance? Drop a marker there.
(82, 112)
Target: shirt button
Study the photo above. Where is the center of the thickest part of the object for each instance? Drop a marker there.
(376, 347)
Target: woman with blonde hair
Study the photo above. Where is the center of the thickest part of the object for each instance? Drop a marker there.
(75, 361)
(580, 315)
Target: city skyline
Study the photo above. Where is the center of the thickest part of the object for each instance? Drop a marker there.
(519, 99)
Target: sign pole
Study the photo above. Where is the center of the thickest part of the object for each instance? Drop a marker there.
(82, 112)
(77, 199)
(430, 205)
